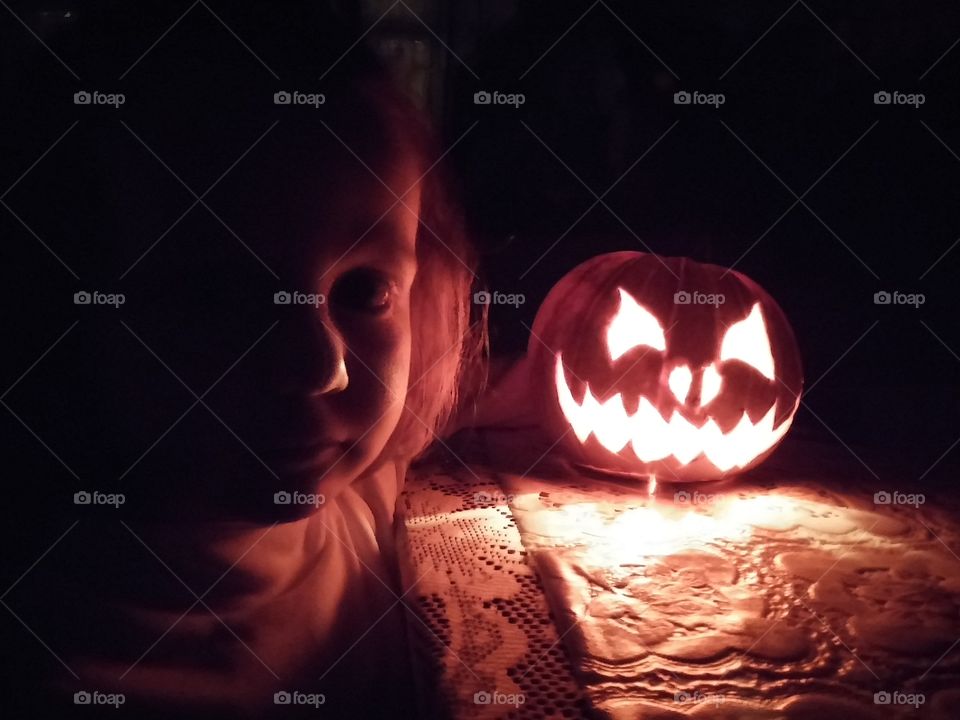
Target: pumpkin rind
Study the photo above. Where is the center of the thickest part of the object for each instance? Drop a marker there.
(572, 322)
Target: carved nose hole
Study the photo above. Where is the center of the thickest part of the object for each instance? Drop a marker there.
(679, 382)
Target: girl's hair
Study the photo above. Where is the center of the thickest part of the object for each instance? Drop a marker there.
(302, 38)
(448, 330)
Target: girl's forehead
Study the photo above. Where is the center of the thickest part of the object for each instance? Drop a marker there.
(336, 204)
(300, 199)
(342, 172)
(355, 196)
(359, 189)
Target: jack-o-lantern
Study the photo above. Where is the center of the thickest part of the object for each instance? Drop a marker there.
(664, 367)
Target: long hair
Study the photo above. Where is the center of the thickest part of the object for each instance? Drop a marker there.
(448, 330)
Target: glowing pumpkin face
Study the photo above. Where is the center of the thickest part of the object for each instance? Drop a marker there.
(664, 366)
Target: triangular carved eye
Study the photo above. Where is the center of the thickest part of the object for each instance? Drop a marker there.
(633, 325)
(748, 342)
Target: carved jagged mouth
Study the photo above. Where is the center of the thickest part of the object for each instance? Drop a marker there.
(653, 438)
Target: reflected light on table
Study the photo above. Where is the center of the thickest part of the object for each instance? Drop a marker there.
(659, 528)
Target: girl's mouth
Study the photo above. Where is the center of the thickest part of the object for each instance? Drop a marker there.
(295, 459)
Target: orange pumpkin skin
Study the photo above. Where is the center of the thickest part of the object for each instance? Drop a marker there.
(634, 379)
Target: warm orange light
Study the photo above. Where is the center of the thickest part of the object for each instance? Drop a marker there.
(641, 532)
(646, 364)
(748, 342)
(679, 382)
(698, 523)
(710, 384)
(633, 325)
(653, 438)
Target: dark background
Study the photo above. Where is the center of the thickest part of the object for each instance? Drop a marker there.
(599, 80)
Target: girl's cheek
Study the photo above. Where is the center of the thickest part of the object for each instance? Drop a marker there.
(378, 366)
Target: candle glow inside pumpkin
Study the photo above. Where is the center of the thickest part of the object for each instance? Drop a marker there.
(649, 434)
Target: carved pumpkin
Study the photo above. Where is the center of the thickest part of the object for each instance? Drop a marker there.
(664, 367)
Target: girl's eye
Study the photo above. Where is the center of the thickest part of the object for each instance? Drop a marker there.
(363, 290)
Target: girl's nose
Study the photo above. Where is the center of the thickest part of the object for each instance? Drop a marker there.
(335, 381)
(316, 355)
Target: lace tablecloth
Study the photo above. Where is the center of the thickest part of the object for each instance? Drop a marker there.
(485, 643)
(772, 597)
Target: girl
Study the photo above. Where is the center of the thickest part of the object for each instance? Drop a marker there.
(260, 444)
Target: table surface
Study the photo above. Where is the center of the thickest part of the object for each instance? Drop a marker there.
(775, 596)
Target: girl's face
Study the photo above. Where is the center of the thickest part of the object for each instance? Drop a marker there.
(302, 396)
